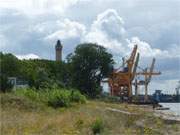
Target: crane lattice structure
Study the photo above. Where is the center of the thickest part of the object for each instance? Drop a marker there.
(121, 81)
(147, 78)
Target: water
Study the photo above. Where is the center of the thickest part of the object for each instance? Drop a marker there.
(174, 108)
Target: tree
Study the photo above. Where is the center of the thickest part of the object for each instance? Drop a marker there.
(9, 67)
(90, 63)
(5, 85)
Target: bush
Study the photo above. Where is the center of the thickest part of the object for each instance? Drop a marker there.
(76, 96)
(30, 93)
(59, 98)
(97, 126)
(53, 97)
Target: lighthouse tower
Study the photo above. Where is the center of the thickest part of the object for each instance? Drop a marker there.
(58, 49)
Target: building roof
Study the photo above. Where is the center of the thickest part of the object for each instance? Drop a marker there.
(58, 44)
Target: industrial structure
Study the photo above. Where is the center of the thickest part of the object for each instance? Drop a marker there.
(122, 79)
(58, 49)
(147, 73)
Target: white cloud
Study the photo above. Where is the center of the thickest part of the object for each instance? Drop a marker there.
(107, 30)
(110, 23)
(38, 6)
(67, 29)
(145, 49)
(28, 56)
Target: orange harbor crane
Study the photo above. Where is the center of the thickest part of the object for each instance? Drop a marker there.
(121, 81)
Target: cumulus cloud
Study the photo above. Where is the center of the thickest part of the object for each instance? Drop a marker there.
(107, 30)
(67, 29)
(110, 23)
(145, 49)
(38, 6)
(27, 56)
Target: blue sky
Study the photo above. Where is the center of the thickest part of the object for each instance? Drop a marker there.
(30, 29)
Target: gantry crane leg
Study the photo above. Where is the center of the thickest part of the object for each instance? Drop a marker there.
(136, 88)
(146, 92)
(146, 87)
(130, 92)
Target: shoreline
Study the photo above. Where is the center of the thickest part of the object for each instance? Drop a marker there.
(167, 115)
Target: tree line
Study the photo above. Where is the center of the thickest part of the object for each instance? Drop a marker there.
(83, 69)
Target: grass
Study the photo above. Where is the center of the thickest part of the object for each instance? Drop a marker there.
(97, 126)
(23, 116)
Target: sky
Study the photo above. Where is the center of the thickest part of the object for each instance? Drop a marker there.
(30, 29)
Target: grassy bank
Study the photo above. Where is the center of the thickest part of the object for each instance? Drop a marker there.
(22, 114)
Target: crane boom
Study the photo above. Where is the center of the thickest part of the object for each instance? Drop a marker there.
(151, 70)
(135, 66)
(131, 59)
(133, 54)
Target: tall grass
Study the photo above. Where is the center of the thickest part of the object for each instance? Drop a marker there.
(97, 126)
(53, 97)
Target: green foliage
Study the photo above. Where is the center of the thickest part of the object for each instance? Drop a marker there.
(59, 98)
(39, 73)
(76, 96)
(4, 84)
(89, 64)
(30, 93)
(148, 131)
(9, 65)
(97, 126)
(84, 70)
(52, 97)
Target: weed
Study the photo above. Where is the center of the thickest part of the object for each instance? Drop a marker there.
(148, 131)
(97, 126)
(79, 123)
(76, 96)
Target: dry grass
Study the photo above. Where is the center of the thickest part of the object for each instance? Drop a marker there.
(77, 120)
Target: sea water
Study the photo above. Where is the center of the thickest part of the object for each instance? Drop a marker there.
(174, 108)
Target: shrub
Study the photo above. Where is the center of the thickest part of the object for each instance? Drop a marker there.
(97, 126)
(76, 96)
(30, 93)
(59, 99)
(53, 97)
